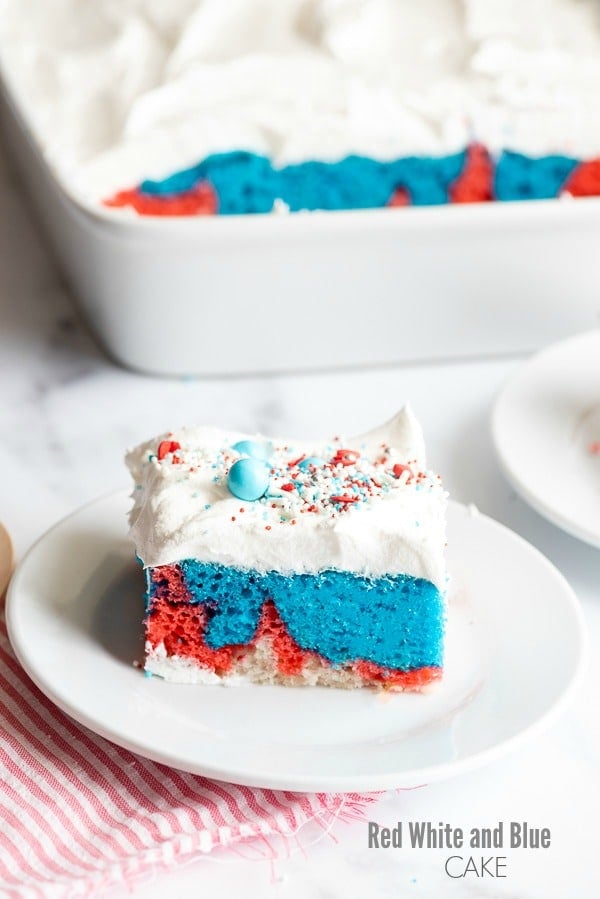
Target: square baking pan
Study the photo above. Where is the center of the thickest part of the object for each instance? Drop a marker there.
(215, 295)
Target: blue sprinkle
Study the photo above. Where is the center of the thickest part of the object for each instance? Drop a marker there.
(206, 505)
(311, 460)
(254, 449)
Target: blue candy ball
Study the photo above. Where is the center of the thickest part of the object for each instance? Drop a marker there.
(253, 449)
(248, 479)
(311, 460)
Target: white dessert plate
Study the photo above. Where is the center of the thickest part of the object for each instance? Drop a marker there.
(545, 423)
(515, 648)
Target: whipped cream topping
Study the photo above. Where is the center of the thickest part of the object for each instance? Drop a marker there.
(367, 505)
(121, 90)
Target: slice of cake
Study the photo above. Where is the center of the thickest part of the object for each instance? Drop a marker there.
(279, 562)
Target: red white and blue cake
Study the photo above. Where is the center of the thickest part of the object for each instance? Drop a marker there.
(278, 562)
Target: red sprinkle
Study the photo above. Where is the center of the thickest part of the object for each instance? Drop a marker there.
(267, 527)
(296, 461)
(344, 498)
(399, 470)
(165, 447)
(287, 487)
(346, 457)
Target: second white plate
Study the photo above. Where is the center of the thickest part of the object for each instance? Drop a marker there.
(544, 424)
(514, 652)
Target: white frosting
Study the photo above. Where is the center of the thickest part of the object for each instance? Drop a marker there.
(120, 90)
(183, 507)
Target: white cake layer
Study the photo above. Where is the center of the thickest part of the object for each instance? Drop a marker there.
(183, 507)
(261, 667)
(120, 91)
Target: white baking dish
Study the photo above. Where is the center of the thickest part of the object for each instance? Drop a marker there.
(262, 293)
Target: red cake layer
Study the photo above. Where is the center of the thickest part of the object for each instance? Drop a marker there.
(199, 200)
(475, 184)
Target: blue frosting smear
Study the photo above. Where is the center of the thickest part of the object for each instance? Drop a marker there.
(396, 621)
(248, 183)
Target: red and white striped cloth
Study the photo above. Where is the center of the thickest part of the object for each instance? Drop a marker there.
(78, 814)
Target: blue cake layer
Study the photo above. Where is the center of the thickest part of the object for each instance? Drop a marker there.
(246, 182)
(520, 177)
(396, 621)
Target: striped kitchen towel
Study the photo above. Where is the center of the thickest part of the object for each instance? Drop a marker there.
(79, 814)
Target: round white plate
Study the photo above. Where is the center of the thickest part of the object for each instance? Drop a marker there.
(514, 651)
(544, 423)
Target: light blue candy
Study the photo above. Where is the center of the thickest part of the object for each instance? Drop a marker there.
(311, 460)
(253, 449)
(248, 479)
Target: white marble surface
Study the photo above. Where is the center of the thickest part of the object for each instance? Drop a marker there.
(66, 413)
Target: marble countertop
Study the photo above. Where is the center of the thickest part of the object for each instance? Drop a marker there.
(66, 414)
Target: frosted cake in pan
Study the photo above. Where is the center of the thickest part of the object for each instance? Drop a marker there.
(199, 107)
(276, 561)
